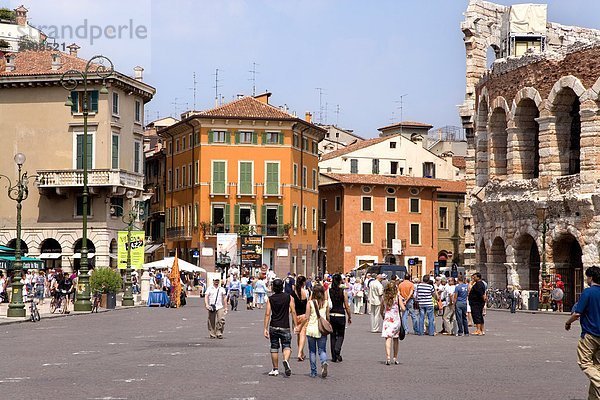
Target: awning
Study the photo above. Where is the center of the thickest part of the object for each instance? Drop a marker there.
(90, 255)
(152, 248)
(6, 262)
(49, 256)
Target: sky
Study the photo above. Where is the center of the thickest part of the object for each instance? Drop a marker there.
(366, 56)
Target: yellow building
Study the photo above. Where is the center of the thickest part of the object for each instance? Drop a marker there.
(245, 167)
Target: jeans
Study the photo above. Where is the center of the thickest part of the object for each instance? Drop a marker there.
(313, 345)
(430, 318)
(337, 336)
(513, 306)
(461, 318)
(410, 309)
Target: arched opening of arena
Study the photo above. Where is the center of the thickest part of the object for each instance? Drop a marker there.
(481, 145)
(498, 143)
(527, 259)
(496, 268)
(568, 263)
(568, 131)
(526, 159)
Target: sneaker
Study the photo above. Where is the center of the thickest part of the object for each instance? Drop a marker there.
(286, 366)
(274, 372)
(324, 371)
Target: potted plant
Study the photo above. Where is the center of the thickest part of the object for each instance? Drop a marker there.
(106, 281)
(205, 227)
(286, 229)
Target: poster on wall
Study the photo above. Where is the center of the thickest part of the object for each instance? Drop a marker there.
(137, 245)
(251, 250)
(227, 248)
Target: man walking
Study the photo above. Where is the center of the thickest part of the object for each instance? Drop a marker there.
(375, 295)
(425, 295)
(234, 290)
(277, 326)
(449, 322)
(407, 291)
(216, 304)
(587, 310)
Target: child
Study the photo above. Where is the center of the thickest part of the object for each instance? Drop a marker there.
(249, 294)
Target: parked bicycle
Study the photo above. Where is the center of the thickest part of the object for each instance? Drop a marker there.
(498, 298)
(59, 302)
(34, 313)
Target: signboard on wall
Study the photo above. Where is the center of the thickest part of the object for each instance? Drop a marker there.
(137, 245)
(251, 250)
(227, 248)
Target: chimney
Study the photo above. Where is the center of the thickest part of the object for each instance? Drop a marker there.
(10, 62)
(138, 73)
(73, 49)
(308, 117)
(263, 98)
(55, 61)
(240, 96)
(21, 15)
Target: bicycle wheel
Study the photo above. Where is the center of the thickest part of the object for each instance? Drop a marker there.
(53, 305)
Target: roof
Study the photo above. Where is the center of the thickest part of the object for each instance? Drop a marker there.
(353, 147)
(459, 162)
(406, 124)
(247, 107)
(31, 62)
(442, 185)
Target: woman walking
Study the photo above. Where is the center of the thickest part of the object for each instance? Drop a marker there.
(359, 293)
(393, 305)
(300, 295)
(260, 291)
(316, 341)
(339, 310)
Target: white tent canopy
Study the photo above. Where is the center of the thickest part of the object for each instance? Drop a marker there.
(167, 263)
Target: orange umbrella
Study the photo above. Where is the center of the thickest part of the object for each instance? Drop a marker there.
(175, 282)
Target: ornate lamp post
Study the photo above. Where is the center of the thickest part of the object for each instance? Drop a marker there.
(136, 212)
(542, 214)
(18, 192)
(98, 67)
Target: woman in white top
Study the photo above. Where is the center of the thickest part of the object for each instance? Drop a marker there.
(359, 293)
(316, 341)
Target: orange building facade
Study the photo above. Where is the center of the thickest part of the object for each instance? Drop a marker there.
(245, 167)
(369, 219)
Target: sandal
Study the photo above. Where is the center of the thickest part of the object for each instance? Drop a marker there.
(387, 362)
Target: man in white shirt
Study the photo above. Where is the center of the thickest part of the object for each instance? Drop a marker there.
(449, 324)
(216, 304)
(375, 295)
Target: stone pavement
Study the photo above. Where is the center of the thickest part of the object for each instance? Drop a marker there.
(158, 353)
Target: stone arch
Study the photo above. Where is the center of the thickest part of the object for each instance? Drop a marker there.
(12, 243)
(525, 153)
(112, 253)
(567, 257)
(481, 258)
(481, 141)
(565, 107)
(564, 82)
(527, 262)
(592, 93)
(496, 268)
(498, 141)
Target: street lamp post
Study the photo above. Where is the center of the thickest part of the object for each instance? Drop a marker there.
(98, 67)
(18, 192)
(135, 212)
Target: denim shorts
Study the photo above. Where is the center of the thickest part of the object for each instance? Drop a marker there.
(277, 335)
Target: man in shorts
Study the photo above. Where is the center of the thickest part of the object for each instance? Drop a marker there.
(277, 326)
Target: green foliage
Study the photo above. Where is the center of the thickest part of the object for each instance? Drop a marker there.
(105, 280)
(7, 14)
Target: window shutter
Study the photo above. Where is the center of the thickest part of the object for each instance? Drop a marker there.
(280, 220)
(237, 137)
(228, 137)
(236, 215)
(79, 152)
(254, 137)
(210, 136)
(90, 150)
(264, 138)
(281, 137)
(263, 218)
(75, 100)
(115, 152)
(226, 220)
(433, 170)
(93, 101)
(424, 170)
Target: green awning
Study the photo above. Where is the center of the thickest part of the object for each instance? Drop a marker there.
(4, 249)
(6, 262)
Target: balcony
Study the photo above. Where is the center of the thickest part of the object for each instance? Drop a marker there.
(274, 230)
(69, 178)
(386, 247)
(179, 233)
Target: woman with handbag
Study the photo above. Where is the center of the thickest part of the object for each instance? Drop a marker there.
(392, 330)
(339, 310)
(317, 314)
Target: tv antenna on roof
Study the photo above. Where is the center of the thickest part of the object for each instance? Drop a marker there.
(217, 86)
(337, 115)
(401, 107)
(320, 104)
(253, 71)
(194, 89)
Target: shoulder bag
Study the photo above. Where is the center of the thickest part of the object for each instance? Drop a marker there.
(324, 325)
(402, 333)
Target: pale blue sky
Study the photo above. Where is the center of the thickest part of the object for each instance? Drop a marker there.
(364, 54)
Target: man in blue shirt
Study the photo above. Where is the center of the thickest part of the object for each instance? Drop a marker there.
(460, 301)
(587, 310)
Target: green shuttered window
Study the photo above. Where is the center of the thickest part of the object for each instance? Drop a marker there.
(272, 185)
(218, 184)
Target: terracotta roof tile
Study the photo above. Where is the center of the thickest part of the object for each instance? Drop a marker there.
(368, 179)
(361, 144)
(406, 124)
(30, 62)
(459, 162)
(247, 107)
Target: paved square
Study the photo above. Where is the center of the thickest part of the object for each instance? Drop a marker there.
(151, 353)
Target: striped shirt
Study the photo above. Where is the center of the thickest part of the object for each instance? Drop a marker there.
(425, 294)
